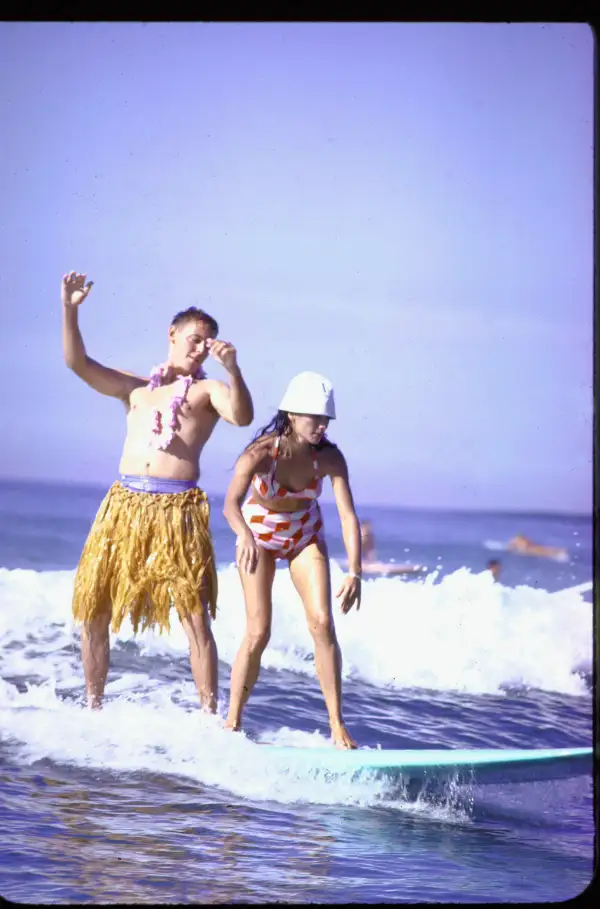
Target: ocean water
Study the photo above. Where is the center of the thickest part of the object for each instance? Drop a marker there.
(149, 800)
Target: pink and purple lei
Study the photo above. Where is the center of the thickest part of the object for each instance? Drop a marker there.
(163, 431)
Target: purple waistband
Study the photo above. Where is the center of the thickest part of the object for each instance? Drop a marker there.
(154, 484)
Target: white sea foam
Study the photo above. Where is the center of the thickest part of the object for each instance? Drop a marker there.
(157, 736)
(130, 736)
(463, 633)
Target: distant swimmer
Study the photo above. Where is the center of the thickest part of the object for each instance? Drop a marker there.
(369, 561)
(494, 566)
(524, 546)
(368, 542)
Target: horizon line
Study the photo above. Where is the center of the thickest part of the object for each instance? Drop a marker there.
(448, 509)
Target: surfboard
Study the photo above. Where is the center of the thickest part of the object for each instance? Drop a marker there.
(498, 546)
(387, 569)
(480, 765)
(586, 587)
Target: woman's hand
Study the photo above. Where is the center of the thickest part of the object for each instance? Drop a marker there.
(246, 552)
(350, 593)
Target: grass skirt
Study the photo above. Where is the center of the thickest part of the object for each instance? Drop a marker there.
(145, 553)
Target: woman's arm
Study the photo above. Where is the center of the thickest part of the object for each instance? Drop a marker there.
(337, 469)
(246, 466)
(340, 481)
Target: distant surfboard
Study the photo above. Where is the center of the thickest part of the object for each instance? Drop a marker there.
(586, 587)
(480, 765)
(388, 569)
(495, 545)
(498, 546)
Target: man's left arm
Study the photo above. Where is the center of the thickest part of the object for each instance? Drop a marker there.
(233, 402)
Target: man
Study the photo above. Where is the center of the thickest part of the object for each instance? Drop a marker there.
(369, 558)
(368, 542)
(149, 547)
(524, 546)
(494, 566)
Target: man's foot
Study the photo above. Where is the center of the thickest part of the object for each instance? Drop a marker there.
(341, 737)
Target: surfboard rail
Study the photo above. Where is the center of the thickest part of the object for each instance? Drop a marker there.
(482, 765)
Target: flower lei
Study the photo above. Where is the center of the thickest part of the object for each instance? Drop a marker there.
(162, 433)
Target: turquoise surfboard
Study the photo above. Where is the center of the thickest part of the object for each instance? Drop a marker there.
(480, 765)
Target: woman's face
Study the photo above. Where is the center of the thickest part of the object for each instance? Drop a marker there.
(309, 427)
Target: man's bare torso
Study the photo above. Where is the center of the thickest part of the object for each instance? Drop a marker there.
(196, 419)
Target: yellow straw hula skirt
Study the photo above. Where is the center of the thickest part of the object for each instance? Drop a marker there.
(146, 552)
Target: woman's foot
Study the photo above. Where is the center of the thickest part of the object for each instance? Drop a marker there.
(341, 737)
(233, 727)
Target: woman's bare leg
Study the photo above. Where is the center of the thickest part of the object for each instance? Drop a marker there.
(311, 578)
(257, 589)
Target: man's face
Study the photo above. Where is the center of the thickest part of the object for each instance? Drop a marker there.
(188, 344)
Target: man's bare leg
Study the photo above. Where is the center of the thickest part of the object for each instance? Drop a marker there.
(203, 658)
(246, 667)
(95, 655)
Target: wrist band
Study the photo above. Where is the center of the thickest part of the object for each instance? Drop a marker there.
(353, 574)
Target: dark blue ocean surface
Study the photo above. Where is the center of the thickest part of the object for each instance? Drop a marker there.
(151, 801)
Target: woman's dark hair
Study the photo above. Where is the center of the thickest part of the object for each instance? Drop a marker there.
(281, 426)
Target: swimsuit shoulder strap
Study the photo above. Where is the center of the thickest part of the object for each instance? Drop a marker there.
(275, 456)
(276, 446)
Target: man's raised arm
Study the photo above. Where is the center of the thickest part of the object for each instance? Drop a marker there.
(112, 382)
(234, 404)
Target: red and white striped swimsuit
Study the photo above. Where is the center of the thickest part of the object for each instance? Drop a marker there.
(285, 533)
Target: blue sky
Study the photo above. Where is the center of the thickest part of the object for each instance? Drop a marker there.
(406, 208)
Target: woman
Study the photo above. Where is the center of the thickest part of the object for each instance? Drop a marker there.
(281, 519)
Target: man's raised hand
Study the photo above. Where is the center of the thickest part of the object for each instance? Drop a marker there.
(224, 353)
(74, 289)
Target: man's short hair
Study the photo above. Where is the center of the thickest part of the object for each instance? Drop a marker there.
(193, 314)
